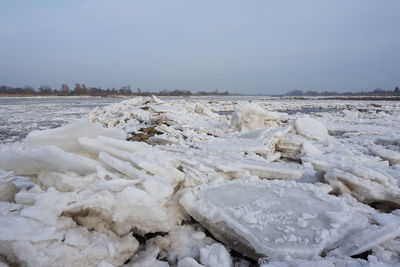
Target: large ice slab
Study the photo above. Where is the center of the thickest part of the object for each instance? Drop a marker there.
(66, 137)
(280, 218)
(264, 170)
(48, 158)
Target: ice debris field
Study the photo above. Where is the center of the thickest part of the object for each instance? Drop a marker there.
(147, 182)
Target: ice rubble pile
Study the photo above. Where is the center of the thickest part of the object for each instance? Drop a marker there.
(159, 122)
(275, 187)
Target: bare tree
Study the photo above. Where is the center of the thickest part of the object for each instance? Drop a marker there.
(64, 89)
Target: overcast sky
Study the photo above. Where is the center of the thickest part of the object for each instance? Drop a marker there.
(257, 46)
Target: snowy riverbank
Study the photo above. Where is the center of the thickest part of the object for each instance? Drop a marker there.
(149, 182)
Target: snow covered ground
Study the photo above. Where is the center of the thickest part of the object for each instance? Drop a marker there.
(200, 182)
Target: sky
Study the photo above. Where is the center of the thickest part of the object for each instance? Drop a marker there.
(250, 47)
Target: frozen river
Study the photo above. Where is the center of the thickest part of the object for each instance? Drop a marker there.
(20, 115)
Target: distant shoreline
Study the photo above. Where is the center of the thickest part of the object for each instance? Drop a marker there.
(360, 98)
(65, 96)
(109, 96)
(355, 98)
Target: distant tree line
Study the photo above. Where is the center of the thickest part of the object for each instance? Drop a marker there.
(83, 90)
(376, 92)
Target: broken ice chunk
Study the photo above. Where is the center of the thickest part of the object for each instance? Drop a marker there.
(310, 149)
(140, 209)
(311, 128)
(371, 237)
(291, 146)
(122, 166)
(351, 114)
(392, 156)
(66, 137)
(388, 141)
(252, 116)
(263, 169)
(48, 206)
(215, 255)
(49, 158)
(272, 170)
(33, 244)
(7, 191)
(64, 182)
(365, 184)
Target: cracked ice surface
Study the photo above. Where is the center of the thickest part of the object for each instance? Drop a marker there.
(148, 180)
